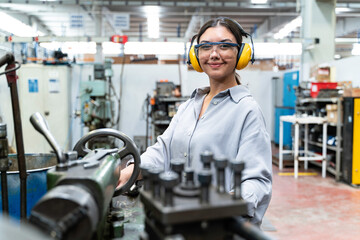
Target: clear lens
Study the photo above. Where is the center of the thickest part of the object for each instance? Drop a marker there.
(207, 48)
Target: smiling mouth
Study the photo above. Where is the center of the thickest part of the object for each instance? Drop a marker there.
(215, 65)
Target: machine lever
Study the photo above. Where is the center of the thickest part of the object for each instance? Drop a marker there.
(7, 59)
(41, 125)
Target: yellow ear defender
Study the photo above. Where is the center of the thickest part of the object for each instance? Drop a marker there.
(193, 59)
(245, 55)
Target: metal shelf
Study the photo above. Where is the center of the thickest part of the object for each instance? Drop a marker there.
(335, 124)
(339, 125)
(173, 99)
(328, 168)
(333, 148)
(314, 100)
(162, 122)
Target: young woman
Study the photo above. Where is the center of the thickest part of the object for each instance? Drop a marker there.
(222, 118)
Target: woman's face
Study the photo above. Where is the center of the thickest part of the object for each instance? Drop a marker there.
(217, 62)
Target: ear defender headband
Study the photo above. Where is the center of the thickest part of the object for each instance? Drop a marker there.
(245, 54)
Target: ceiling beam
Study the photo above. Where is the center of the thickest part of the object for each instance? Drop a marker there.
(110, 20)
(32, 21)
(194, 22)
(272, 25)
(347, 26)
(219, 3)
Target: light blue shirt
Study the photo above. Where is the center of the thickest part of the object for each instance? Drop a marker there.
(232, 126)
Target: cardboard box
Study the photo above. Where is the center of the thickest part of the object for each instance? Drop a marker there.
(135, 59)
(331, 107)
(120, 60)
(322, 73)
(263, 65)
(89, 57)
(170, 61)
(345, 84)
(351, 92)
(332, 113)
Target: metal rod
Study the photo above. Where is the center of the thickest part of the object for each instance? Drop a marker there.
(147, 121)
(4, 193)
(11, 77)
(4, 167)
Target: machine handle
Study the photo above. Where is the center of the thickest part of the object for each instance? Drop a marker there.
(129, 148)
(7, 59)
(41, 125)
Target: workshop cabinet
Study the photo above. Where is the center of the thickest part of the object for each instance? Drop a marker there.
(351, 153)
(162, 111)
(44, 89)
(291, 80)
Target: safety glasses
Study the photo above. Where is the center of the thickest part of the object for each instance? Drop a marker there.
(207, 48)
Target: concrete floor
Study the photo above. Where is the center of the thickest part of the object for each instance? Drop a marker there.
(312, 207)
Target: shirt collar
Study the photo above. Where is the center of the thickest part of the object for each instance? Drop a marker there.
(236, 93)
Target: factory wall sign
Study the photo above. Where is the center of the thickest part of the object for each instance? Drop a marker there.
(54, 86)
(122, 21)
(33, 85)
(76, 21)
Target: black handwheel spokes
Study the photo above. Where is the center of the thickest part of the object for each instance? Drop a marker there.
(129, 148)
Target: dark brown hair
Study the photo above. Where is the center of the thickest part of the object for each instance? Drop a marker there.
(233, 26)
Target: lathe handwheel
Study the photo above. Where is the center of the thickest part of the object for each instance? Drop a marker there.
(129, 148)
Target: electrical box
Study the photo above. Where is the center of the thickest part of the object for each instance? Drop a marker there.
(45, 89)
(291, 80)
(351, 141)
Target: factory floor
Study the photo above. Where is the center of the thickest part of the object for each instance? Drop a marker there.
(312, 207)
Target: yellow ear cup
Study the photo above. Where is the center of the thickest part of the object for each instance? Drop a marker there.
(194, 60)
(245, 57)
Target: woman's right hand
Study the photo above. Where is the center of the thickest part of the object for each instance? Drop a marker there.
(125, 175)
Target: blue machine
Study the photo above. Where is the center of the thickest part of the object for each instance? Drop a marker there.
(37, 166)
(290, 80)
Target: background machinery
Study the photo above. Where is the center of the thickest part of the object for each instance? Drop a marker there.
(97, 98)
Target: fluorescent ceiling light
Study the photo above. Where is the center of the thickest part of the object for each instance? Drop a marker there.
(346, 40)
(258, 1)
(356, 49)
(111, 48)
(153, 21)
(288, 28)
(16, 27)
(342, 9)
(270, 50)
(168, 48)
(71, 47)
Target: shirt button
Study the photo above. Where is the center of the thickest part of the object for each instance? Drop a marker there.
(216, 102)
(185, 154)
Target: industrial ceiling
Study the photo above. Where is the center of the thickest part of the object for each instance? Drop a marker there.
(178, 19)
